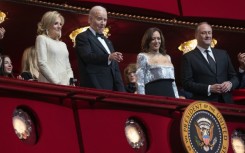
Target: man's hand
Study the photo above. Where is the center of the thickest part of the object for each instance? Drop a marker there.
(216, 88)
(241, 60)
(2, 31)
(226, 86)
(116, 56)
(221, 88)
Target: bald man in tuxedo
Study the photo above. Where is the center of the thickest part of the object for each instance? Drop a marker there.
(207, 72)
(97, 59)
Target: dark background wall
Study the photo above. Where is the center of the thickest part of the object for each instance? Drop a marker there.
(21, 26)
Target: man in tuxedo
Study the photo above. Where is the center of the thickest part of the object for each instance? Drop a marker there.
(241, 60)
(98, 62)
(208, 73)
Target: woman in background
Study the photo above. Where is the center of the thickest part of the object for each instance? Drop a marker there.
(2, 31)
(130, 78)
(155, 71)
(6, 68)
(52, 54)
(29, 68)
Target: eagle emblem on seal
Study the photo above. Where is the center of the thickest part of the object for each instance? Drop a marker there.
(204, 139)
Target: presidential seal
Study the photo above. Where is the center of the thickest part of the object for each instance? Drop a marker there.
(203, 129)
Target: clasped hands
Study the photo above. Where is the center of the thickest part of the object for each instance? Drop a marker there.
(221, 88)
(116, 56)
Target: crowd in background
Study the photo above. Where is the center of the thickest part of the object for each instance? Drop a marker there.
(206, 73)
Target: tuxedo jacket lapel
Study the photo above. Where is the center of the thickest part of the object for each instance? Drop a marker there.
(202, 59)
(97, 42)
(199, 55)
(217, 58)
(108, 42)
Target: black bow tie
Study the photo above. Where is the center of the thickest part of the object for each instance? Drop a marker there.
(101, 35)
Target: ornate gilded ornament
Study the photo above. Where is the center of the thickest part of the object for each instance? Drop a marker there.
(79, 30)
(2, 17)
(191, 44)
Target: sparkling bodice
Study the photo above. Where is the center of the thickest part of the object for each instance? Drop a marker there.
(151, 72)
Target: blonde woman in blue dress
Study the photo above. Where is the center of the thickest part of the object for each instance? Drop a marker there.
(52, 54)
(155, 71)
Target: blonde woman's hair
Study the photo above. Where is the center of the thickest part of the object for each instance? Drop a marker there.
(48, 19)
(29, 61)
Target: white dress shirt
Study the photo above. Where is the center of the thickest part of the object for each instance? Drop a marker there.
(205, 56)
(102, 41)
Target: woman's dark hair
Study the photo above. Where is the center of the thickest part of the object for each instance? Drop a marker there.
(2, 71)
(147, 38)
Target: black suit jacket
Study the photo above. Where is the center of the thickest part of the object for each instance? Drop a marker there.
(197, 74)
(93, 63)
(242, 80)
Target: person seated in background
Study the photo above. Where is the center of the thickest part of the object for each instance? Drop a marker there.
(52, 54)
(29, 68)
(130, 78)
(6, 68)
(241, 75)
(155, 71)
(2, 32)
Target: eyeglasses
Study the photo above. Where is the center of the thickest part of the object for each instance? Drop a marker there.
(131, 73)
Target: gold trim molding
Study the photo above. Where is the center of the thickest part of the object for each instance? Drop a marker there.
(165, 21)
(190, 45)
